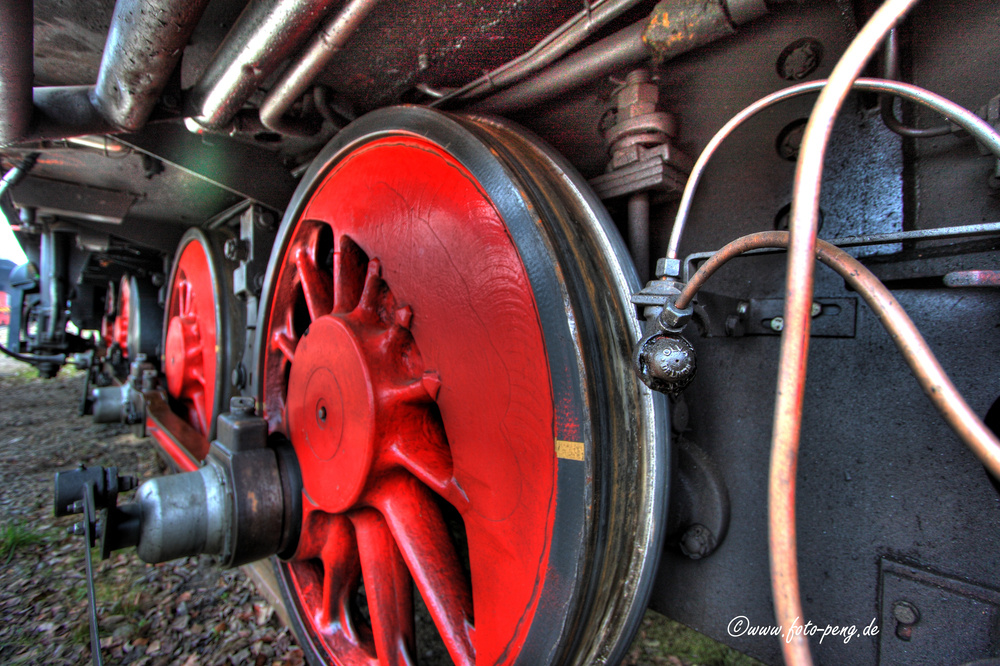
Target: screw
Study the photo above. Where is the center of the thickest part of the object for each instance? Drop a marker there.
(239, 376)
(778, 324)
(742, 308)
(76, 507)
(817, 309)
(236, 249)
(799, 59)
(77, 529)
(697, 542)
(905, 612)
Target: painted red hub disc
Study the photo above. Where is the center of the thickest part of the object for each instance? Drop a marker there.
(405, 362)
(189, 358)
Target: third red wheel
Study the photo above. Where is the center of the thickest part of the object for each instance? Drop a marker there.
(445, 343)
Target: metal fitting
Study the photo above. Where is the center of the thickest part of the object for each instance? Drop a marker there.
(665, 362)
(673, 319)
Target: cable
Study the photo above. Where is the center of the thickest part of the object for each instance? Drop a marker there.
(792, 361)
(890, 70)
(966, 119)
(58, 359)
(924, 365)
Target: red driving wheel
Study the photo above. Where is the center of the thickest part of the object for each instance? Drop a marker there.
(427, 357)
(202, 332)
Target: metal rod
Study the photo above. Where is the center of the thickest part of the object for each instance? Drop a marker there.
(296, 80)
(969, 121)
(624, 48)
(16, 68)
(792, 363)
(265, 35)
(638, 233)
(942, 233)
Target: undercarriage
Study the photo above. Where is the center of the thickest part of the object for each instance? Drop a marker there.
(509, 306)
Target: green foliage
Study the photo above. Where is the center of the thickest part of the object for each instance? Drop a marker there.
(17, 535)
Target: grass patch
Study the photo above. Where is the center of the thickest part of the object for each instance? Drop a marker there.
(17, 535)
(670, 637)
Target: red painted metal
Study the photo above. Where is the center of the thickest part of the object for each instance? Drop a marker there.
(119, 330)
(189, 361)
(405, 362)
(184, 460)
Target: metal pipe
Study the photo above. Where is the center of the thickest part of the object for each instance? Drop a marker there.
(638, 233)
(624, 48)
(966, 119)
(265, 35)
(555, 45)
(924, 365)
(16, 68)
(790, 392)
(297, 79)
(144, 44)
(890, 70)
(941, 233)
(675, 27)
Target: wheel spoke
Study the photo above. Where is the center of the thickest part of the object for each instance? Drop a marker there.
(428, 458)
(367, 305)
(422, 536)
(339, 554)
(389, 589)
(316, 285)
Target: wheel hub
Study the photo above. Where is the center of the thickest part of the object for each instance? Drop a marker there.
(183, 355)
(332, 414)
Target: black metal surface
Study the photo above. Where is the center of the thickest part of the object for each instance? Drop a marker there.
(220, 161)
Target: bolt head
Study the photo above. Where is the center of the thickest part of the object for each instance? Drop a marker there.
(905, 612)
(778, 324)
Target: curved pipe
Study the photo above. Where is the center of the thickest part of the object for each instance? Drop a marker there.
(969, 121)
(294, 82)
(139, 58)
(793, 358)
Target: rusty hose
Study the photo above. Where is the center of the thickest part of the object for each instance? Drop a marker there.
(924, 365)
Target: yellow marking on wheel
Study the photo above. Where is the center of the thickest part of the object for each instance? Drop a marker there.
(569, 450)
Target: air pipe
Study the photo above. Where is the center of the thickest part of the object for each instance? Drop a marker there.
(265, 35)
(139, 57)
(675, 27)
(327, 43)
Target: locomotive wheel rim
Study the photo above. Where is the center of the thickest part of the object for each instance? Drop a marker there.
(121, 322)
(191, 350)
(575, 595)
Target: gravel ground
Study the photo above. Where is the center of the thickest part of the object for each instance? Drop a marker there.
(183, 612)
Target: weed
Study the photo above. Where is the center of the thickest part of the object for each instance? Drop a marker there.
(17, 535)
(692, 647)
